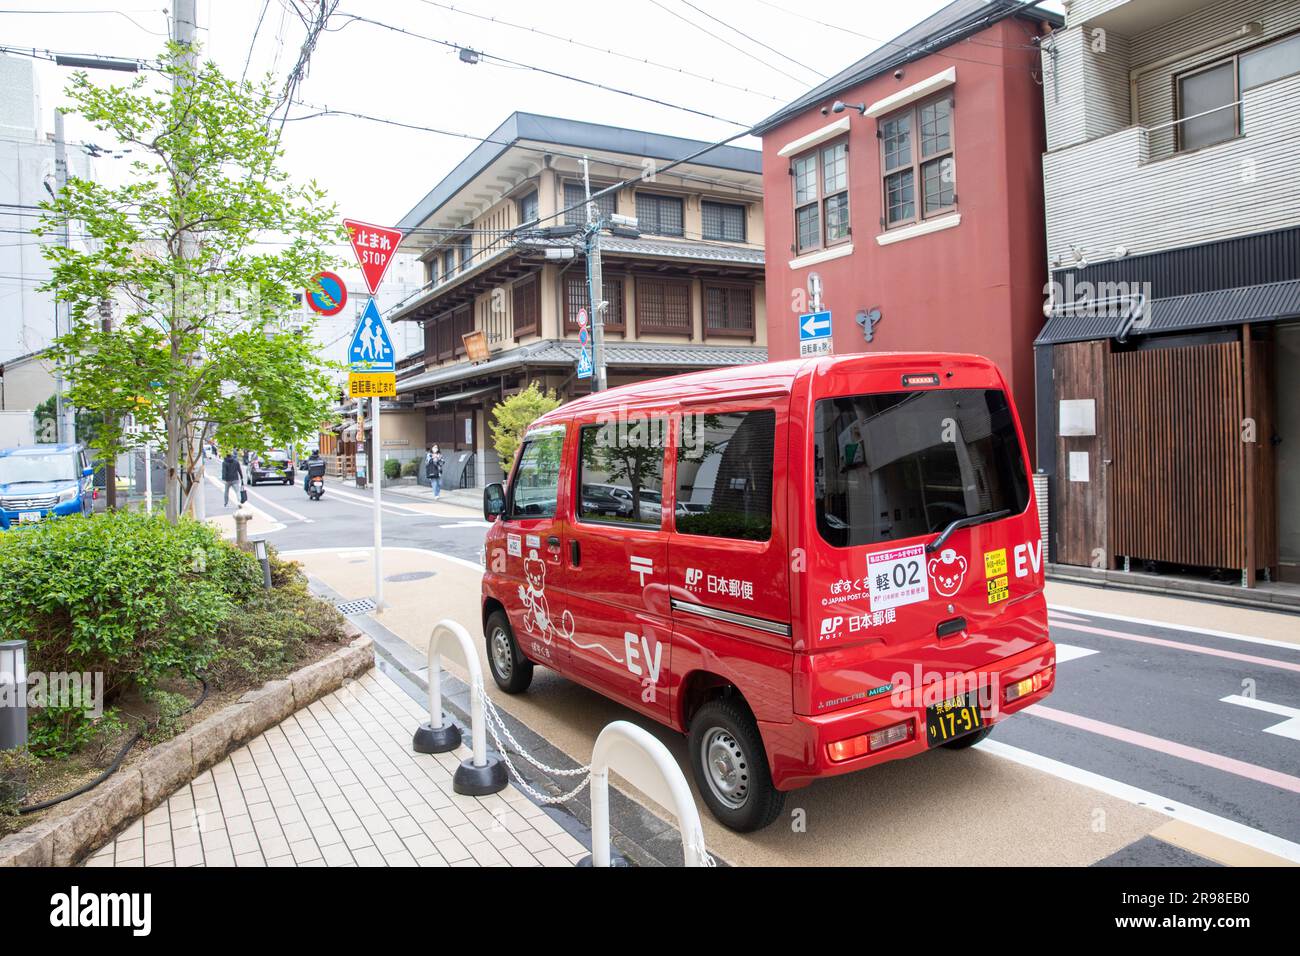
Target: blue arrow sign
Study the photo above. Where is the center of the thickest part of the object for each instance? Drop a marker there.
(815, 325)
(584, 364)
(372, 347)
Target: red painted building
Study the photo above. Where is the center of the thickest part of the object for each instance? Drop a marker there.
(910, 184)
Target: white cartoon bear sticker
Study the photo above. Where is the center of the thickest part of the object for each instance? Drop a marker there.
(947, 571)
(537, 611)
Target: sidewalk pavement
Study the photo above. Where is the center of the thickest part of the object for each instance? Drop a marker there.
(461, 497)
(1024, 807)
(338, 785)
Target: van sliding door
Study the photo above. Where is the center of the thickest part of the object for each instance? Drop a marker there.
(728, 553)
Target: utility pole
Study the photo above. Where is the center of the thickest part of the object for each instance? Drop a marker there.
(184, 26)
(110, 465)
(595, 286)
(64, 426)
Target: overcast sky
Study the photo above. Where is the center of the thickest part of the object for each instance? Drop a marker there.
(377, 172)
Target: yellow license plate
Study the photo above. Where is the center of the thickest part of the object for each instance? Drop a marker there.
(952, 718)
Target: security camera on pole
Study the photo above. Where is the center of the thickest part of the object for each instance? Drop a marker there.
(372, 360)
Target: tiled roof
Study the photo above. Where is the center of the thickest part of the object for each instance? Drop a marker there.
(656, 248)
(1269, 302)
(556, 352)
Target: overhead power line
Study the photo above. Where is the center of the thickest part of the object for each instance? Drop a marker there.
(480, 54)
(755, 40)
(630, 57)
(726, 42)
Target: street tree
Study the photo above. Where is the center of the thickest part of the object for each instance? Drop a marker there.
(512, 416)
(201, 248)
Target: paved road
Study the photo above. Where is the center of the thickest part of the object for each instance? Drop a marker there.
(343, 518)
(1160, 715)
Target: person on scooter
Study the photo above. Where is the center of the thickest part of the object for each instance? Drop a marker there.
(315, 466)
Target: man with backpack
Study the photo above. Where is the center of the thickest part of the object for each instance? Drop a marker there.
(232, 476)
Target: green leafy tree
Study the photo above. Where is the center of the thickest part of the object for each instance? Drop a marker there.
(511, 418)
(202, 248)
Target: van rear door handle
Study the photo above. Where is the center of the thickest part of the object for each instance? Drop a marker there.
(954, 625)
(575, 552)
(553, 541)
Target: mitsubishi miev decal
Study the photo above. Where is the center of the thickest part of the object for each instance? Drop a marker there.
(947, 571)
(537, 611)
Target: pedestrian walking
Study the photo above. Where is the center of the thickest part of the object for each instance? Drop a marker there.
(434, 462)
(232, 476)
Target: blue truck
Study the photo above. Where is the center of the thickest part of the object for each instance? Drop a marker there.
(38, 482)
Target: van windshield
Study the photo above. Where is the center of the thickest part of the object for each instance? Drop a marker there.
(900, 464)
(57, 466)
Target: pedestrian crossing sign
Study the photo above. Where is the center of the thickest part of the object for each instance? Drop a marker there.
(372, 347)
(584, 363)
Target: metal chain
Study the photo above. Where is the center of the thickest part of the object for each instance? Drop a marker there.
(494, 720)
(494, 717)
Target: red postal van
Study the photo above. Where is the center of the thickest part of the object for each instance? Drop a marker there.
(810, 567)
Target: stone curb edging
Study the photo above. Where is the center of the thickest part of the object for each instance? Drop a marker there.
(87, 822)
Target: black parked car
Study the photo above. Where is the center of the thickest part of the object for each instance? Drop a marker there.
(271, 468)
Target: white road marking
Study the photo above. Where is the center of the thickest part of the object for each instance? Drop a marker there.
(1258, 839)
(1071, 652)
(1250, 639)
(274, 524)
(369, 500)
(1288, 728)
(1060, 615)
(467, 524)
(289, 511)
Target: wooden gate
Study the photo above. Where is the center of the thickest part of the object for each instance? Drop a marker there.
(1178, 473)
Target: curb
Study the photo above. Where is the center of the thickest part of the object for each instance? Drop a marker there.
(88, 821)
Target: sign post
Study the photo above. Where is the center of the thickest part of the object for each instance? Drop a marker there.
(371, 356)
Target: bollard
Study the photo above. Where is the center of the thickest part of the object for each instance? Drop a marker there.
(484, 772)
(242, 517)
(13, 713)
(646, 764)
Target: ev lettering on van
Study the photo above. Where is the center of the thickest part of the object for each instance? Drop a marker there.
(1027, 557)
(632, 654)
(897, 577)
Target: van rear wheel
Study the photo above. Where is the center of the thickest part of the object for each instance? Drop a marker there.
(510, 669)
(970, 740)
(730, 767)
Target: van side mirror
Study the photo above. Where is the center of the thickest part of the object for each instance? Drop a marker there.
(494, 501)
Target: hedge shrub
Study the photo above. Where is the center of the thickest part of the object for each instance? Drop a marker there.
(392, 468)
(410, 469)
(124, 593)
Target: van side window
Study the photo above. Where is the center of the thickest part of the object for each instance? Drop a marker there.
(537, 479)
(620, 475)
(724, 474)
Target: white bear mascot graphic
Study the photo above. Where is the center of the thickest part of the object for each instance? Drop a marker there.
(947, 571)
(537, 611)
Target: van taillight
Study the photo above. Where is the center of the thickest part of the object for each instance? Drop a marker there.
(851, 747)
(1029, 685)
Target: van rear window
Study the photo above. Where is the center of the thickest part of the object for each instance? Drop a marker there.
(901, 464)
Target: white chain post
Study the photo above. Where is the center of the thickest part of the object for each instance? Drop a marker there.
(484, 772)
(632, 752)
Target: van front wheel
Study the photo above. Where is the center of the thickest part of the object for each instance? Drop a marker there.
(730, 767)
(510, 669)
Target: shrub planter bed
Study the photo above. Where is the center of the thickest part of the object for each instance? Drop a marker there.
(69, 831)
